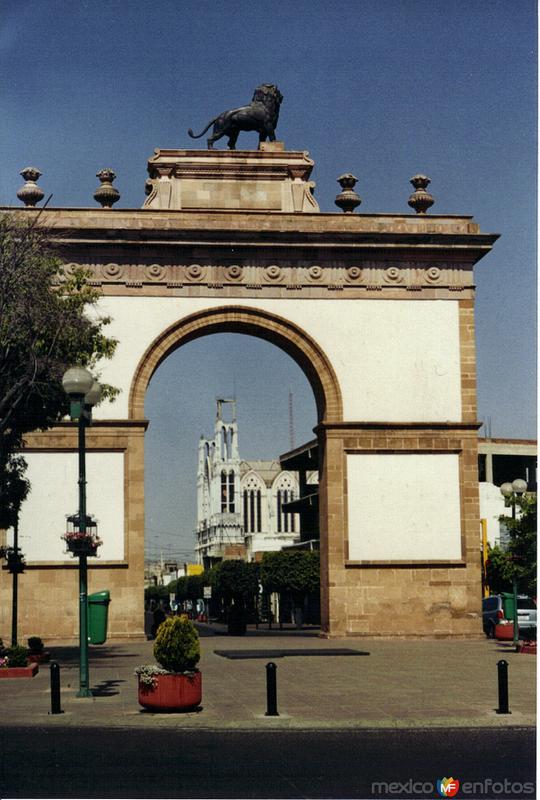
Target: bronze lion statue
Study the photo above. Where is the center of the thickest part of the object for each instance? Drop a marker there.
(261, 115)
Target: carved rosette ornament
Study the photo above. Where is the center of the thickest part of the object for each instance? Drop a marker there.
(112, 272)
(420, 199)
(106, 194)
(315, 273)
(393, 275)
(354, 274)
(30, 193)
(348, 199)
(273, 273)
(155, 272)
(195, 272)
(433, 274)
(234, 273)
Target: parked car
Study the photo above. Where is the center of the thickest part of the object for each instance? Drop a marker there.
(498, 617)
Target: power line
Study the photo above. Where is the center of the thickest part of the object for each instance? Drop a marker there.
(162, 531)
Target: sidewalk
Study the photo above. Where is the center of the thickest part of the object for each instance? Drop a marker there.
(400, 684)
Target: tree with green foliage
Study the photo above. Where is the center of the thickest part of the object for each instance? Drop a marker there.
(14, 489)
(519, 561)
(177, 587)
(235, 580)
(156, 593)
(194, 590)
(45, 328)
(210, 578)
(498, 571)
(235, 586)
(187, 587)
(291, 571)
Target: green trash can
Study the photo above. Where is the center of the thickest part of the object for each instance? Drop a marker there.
(508, 604)
(98, 614)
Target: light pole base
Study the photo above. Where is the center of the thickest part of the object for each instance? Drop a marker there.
(84, 693)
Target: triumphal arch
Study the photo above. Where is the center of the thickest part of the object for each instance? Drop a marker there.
(378, 311)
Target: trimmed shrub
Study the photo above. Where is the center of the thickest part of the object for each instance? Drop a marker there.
(177, 645)
(236, 579)
(296, 572)
(156, 593)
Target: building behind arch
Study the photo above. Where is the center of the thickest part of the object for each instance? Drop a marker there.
(241, 505)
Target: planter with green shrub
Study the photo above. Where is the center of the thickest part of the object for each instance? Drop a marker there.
(174, 684)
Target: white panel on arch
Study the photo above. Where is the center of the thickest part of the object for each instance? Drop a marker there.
(54, 495)
(395, 360)
(404, 506)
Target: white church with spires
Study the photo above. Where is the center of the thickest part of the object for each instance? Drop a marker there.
(240, 504)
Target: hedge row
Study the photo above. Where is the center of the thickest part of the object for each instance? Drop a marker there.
(289, 571)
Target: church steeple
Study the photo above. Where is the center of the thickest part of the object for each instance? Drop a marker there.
(226, 432)
(240, 502)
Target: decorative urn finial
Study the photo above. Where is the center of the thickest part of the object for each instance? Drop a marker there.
(348, 199)
(106, 194)
(30, 193)
(420, 199)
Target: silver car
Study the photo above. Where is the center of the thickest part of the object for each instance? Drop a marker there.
(496, 610)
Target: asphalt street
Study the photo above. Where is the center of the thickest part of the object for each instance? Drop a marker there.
(61, 762)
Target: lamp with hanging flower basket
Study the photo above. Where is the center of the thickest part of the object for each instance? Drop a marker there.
(83, 392)
(81, 543)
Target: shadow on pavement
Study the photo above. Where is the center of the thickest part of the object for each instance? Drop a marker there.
(218, 629)
(66, 654)
(310, 651)
(106, 688)
(168, 712)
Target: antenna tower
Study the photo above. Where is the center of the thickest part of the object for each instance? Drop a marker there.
(291, 421)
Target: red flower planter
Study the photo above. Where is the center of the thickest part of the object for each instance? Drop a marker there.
(172, 692)
(82, 548)
(19, 672)
(504, 632)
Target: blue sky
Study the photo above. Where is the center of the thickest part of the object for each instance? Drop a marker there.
(384, 89)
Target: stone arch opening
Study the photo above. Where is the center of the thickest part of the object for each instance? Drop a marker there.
(238, 319)
(289, 338)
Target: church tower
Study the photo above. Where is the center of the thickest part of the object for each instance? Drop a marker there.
(219, 530)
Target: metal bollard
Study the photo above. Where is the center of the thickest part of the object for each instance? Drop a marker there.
(502, 670)
(55, 689)
(271, 690)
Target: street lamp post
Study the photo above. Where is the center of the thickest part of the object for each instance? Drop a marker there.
(17, 490)
(510, 492)
(83, 392)
(16, 567)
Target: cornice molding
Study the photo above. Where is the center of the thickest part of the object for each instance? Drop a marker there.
(373, 276)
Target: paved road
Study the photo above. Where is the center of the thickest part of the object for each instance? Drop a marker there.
(406, 684)
(62, 762)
